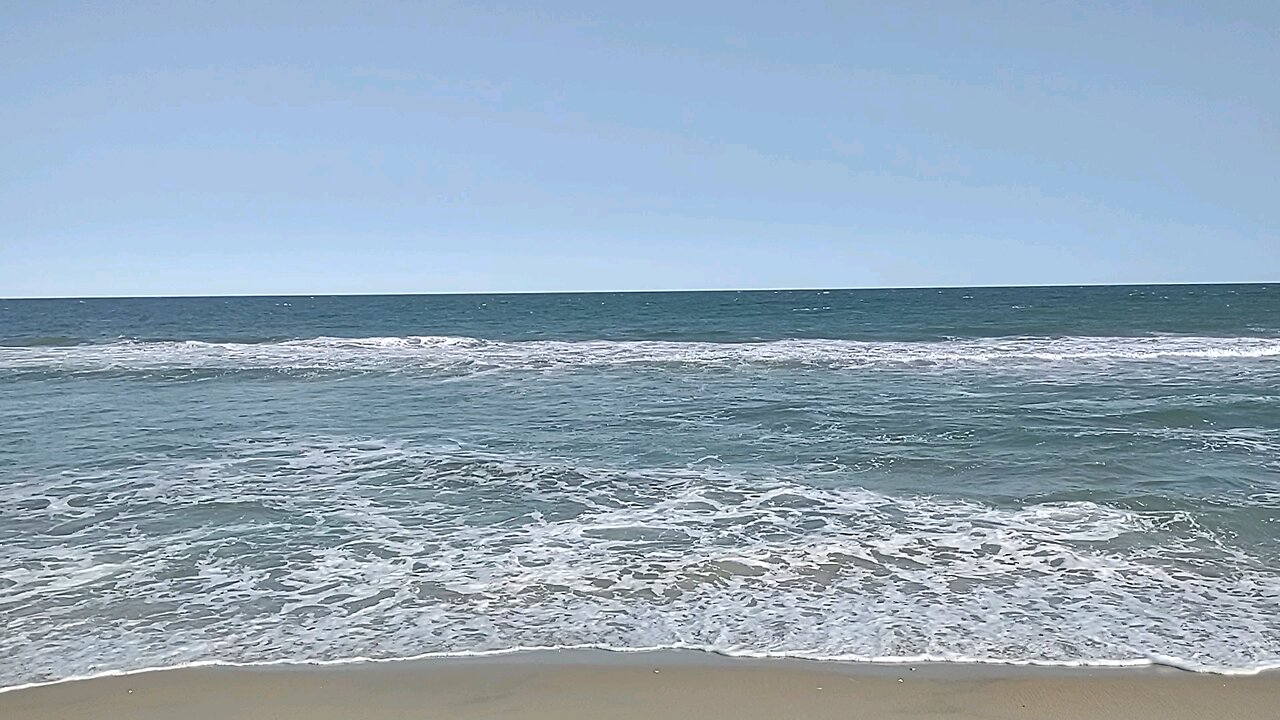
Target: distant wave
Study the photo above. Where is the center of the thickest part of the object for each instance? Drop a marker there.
(43, 341)
(466, 354)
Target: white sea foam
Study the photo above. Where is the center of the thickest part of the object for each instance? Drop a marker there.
(328, 550)
(465, 354)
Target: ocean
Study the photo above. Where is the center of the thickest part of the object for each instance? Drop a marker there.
(1063, 476)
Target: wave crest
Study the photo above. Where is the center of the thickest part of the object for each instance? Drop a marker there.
(468, 354)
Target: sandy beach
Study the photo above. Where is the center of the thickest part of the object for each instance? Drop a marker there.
(645, 685)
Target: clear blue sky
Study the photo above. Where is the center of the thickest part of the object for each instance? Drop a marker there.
(216, 147)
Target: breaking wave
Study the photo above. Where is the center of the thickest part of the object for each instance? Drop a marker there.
(466, 354)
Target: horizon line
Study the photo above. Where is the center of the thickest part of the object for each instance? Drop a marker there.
(468, 293)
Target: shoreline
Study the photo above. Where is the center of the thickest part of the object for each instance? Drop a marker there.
(603, 655)
(572, 684)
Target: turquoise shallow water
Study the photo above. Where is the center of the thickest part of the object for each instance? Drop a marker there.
(1052, 475)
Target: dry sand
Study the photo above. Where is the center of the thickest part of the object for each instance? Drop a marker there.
(661, 685)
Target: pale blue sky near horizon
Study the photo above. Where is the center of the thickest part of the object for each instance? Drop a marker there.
(262, 148)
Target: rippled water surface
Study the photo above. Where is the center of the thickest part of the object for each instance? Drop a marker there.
(1055, 475)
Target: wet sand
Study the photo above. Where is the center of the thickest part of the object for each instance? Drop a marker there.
(587, 686)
